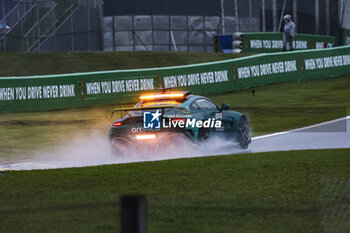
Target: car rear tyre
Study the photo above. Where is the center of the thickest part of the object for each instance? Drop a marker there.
(203, 134)
(244, 133)
(118, 147)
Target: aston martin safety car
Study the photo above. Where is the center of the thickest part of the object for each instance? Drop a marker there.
(166, 117)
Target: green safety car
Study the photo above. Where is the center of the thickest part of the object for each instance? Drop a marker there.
(167, 118)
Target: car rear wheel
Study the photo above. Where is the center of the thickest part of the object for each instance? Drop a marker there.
(119, 147)
(203, 134)
(244, 133)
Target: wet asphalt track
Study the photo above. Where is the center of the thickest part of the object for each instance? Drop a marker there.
(328, 135)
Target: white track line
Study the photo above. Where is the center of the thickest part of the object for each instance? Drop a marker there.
(303, 128)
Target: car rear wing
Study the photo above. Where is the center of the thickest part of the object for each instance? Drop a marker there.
(163, 107)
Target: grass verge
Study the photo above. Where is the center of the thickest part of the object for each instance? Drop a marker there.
(24, 64)
(296, 191)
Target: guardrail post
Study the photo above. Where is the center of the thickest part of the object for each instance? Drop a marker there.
(133, 214)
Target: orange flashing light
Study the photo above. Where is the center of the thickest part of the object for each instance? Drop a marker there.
(145, 136)
(160, 103)
(165, 95)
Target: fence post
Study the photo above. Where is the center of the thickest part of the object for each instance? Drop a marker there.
(236, 16)
(274, 15)
(21, 22)
(72, 26)
(3, 9)
(222, 17)
(317, 16)
(89, 29)
(39, 32)
(3, 12)
(250, 15)
(133, 32)
(133, 214)
(295, 15)
(328, 32)
(281, 18)
(263, 16)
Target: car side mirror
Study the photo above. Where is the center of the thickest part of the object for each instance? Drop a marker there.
(225, 107)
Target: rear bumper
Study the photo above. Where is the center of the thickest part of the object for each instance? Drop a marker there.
(162, 143)
(147, 138)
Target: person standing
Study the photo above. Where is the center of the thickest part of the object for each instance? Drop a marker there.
(289, 31)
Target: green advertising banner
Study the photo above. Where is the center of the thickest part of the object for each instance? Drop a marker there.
(273, 42)
(38, 93)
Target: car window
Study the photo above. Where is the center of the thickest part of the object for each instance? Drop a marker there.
(194, 105)
(204, 104)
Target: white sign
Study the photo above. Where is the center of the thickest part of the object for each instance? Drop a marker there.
(267, 69)
(185, 80)
(118, 86)
(327, 62)
(37, 92)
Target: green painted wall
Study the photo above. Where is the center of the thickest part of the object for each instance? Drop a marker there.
(273, 42)
(36, 93)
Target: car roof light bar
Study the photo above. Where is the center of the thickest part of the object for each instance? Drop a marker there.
(162, 96)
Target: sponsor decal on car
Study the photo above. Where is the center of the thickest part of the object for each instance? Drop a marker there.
(142, 130)
(218, 115)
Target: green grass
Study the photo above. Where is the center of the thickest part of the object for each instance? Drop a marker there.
(274, 108)
(285, 192)
(23, 64)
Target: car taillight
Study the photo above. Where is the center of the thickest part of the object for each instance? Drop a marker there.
(117, 124)
(145, 136)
